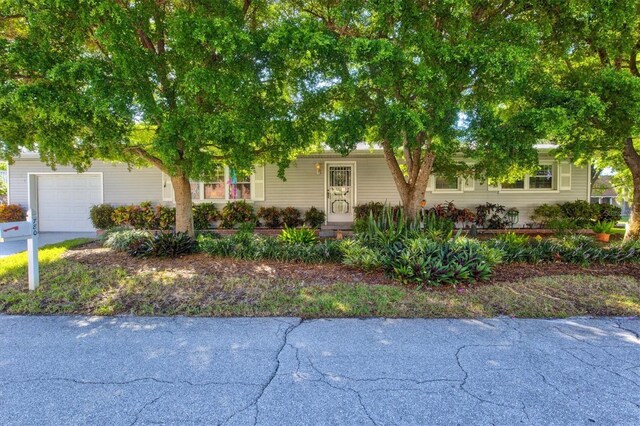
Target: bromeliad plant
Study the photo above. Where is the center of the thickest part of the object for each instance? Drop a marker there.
(304, 235)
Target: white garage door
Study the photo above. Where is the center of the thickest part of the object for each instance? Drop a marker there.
(64, 201)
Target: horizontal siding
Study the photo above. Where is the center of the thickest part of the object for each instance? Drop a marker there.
(303, 188)
(121, 186)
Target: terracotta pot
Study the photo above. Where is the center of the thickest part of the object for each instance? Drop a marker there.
(603, 237)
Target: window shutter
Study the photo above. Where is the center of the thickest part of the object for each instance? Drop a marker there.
(431, 185)
(469, 184)
(564, 173)
(167, 188)
(257, 184)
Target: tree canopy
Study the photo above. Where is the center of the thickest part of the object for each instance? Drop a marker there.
(183, 85)
(587, 86)
(423, 79)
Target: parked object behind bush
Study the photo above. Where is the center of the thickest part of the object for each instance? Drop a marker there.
(11, 213)
(314, 217)
(270, 216)
(291, 217)
(235, 213)
(101, 216)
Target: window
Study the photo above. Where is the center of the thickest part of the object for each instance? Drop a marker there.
(519, 184)
(222, 186)
(240, 188)
(542, 179)
(214, 190)
(447, 183)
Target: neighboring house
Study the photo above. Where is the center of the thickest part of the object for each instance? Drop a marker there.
(603, 192)
(325, 180)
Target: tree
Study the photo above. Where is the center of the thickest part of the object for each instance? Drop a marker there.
(589, 84)
(425, 79)
(183, 85)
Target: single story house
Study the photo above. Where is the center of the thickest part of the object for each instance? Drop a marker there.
(326, 180)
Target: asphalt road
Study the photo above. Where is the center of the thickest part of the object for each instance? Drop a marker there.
(283, 371)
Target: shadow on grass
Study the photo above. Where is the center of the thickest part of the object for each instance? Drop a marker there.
(14, 267)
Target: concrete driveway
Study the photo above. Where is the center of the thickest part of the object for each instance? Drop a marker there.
(284, 371)
(45, 238)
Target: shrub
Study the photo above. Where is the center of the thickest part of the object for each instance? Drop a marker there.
(270, 216)
(578, 249)
(545, 213)
(427, 262)
(358, 255)
(163, 245)
(305, 236)
(11, 213)
(562, 226)
(391, 226)
(581, 212)
(203, 215)
(363, 211)
(492, 216)
(252, 246)
(314, 217)
(603, 227)
(100, 216)
(291, 217)
(144, 216)
(608, 213)
(234, 213)
(121, 240)
(448, 210)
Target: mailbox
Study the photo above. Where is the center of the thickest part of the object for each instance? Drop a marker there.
(15, 231)
(20, 231)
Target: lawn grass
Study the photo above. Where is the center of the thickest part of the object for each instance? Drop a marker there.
(70, 287)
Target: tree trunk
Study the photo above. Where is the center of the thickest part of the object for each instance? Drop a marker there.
(184, 211)
(411, 190)
(632, 159)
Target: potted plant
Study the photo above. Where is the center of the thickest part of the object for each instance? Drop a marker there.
(603, 230)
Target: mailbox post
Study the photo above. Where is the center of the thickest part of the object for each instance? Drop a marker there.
(20, 231)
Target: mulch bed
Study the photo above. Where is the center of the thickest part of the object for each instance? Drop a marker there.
(313, 274)
(203, 264)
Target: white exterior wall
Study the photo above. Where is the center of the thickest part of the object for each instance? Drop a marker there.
(303, 187)
(120, 186)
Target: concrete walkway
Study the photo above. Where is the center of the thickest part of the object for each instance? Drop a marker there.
(44, 238)
(281, 371)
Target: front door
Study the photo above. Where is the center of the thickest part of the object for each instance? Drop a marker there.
(340, 192)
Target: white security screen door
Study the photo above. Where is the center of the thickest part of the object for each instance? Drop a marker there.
(340, 192)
